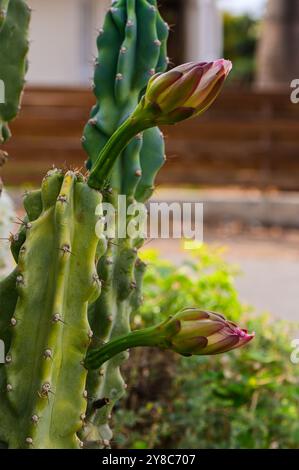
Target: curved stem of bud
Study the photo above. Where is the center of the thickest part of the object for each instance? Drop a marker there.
(148, 337)
(139, 121)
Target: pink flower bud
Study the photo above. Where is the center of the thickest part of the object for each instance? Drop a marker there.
(199, 332)
(186, 91)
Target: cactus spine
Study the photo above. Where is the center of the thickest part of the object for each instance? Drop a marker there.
(132, 47)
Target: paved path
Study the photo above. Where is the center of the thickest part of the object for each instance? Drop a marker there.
(268, 260)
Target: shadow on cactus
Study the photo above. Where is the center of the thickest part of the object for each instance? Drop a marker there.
(72, 289)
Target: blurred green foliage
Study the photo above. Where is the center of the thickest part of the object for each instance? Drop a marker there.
(240, 43)
(247, 398)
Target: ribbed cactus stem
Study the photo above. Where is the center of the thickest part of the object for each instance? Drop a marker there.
(14, 27)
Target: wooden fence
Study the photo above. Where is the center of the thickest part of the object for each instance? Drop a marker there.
(247, 138)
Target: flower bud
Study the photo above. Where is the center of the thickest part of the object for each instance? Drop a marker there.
(190, 332)
(199, 332)
(185, 91)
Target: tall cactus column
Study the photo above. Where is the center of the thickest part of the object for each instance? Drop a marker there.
(132, 48)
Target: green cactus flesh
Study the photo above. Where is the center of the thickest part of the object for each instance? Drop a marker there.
(43, 397)
(14, 25)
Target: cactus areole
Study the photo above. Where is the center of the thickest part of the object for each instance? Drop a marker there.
(65, 309)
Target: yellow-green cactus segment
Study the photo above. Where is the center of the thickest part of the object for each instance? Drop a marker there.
(14, 45)
(56, 281)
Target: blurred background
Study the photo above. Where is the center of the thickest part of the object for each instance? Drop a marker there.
(241, 159)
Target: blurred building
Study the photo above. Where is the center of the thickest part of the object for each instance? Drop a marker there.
(278, 58)
(63, 34)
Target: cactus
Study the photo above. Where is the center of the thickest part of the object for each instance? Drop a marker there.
(14, 25)
(72, 289)
(55, 280)
(132, 48)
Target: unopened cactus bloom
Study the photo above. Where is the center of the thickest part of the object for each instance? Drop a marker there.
(205, 333)
(185, 91)
(190, 332)
(182, 93)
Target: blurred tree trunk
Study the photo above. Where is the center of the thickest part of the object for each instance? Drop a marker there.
(278, 57)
